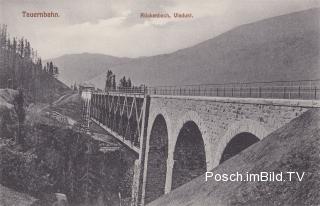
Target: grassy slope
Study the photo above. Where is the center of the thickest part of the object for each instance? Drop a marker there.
(9, 197)
(69, 105)
(7, 96)
(294, 147)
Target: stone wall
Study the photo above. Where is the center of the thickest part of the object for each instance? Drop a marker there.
(219, 120)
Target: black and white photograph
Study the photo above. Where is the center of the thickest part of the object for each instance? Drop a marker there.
(159, 103)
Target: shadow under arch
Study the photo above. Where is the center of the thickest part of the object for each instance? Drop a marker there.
(157, 160)
(237, 144)
(189, 155)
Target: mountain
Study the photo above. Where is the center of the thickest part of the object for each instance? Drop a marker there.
(280, 48)
(82, 67)
(294, 147)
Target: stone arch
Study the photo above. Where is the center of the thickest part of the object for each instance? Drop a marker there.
(155, 113)
(194, 117)
(189, 155)
(238, 143)
(243, 127)
(157, 159)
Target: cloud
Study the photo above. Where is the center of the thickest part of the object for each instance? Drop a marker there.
(114, 27)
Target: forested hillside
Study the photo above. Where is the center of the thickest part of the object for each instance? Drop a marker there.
(21, 68)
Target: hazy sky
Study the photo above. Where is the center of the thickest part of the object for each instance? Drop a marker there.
(114, 27)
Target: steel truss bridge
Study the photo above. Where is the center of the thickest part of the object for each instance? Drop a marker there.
(121, 114)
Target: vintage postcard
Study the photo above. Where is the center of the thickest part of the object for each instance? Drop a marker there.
(159, 102)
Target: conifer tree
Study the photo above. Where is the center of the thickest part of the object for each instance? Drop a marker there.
(19, 109)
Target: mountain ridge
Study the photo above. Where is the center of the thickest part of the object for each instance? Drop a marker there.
(88, 68)
(284, 48)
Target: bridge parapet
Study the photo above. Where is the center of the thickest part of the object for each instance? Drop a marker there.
(142, 90)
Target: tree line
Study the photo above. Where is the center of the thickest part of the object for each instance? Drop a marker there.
(22, 68)
(124, 83)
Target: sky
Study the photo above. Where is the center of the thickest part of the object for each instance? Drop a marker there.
(114, 27)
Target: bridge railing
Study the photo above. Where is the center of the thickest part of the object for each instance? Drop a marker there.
(132, 90)
(300, 89)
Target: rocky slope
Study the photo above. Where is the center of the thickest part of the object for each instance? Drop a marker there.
(55, 159)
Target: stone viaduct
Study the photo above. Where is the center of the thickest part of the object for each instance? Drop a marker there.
(182, 137)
